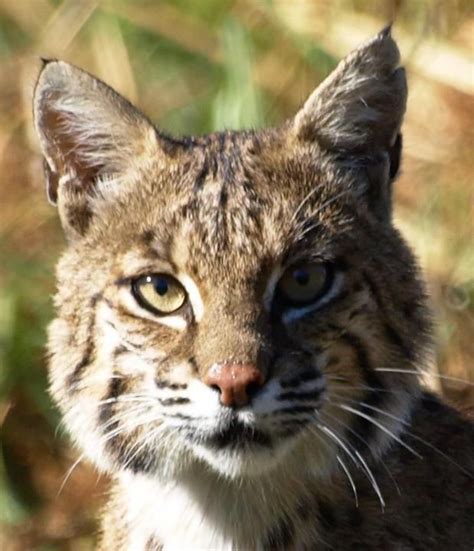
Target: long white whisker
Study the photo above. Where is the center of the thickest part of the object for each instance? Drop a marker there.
(67, 476)
(142, 443)
(331, 434)
(381, 427)
(362, 461)
(343, 386)
(346, 470)
(364, 441)
(349, 477)
(422, 372)
(434, 448)
(415, 437)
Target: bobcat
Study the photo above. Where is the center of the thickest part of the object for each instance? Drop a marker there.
(240, 327)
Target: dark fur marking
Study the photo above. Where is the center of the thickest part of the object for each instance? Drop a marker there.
(303, 396)
(374, 397)
(281, 536)
(173, 401)
(333, 360)
(89, 352)
(342, 296)
(119, 350)
(294, 422)
(192, 362)
(172, 386)
(115, 388)
(138, 463)
(296, 409)
(237, 435)
(354, 518)
(391, 333)
(147, 237)
(153, 545)
(357, 288)
(327, 515)
(304, 509)
(118, 445)
(180, 416)
(432, 404)
(201, 177)
(303, 377)
(409, 309)
(357, 312)
(178, 386)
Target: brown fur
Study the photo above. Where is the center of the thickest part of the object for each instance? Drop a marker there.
(227, 213)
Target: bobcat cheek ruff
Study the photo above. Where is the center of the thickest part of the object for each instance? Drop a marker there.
(238, 322)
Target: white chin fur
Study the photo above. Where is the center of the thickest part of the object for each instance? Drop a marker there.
(234, 463)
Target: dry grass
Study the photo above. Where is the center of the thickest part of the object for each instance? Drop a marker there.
(195, 67)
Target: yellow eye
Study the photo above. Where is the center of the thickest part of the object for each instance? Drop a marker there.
(305, 283)
(159, 293)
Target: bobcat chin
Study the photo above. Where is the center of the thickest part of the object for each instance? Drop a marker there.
(240, 327)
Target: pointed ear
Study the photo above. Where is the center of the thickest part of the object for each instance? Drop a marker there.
(88, 133)
(357, 113)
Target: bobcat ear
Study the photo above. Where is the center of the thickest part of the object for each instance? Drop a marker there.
(87, 132)
(357, 111)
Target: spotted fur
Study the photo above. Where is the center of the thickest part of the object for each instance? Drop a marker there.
(341, 448)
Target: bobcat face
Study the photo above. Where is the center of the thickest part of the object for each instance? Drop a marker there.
(228, 299)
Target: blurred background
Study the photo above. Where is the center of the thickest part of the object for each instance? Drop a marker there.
(196, 66)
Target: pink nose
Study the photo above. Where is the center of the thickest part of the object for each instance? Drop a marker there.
(235, 382)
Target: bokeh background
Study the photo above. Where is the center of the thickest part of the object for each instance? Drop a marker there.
(196, 66)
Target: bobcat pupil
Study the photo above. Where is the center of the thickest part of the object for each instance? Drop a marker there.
(301, 277)
(161, 286)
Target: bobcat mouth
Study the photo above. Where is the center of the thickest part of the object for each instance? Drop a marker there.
(237, 436)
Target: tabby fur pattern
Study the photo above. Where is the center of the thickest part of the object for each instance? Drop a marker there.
(341, 448)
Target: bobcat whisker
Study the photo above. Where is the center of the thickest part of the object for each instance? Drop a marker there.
(365, 442)
(336, 378)
(144, 441)
(381, 427)
(368, 388)
(351, 480)
(416, 437)
(68, 474)
(421, 372)
(121, 415)
(436, 449)
(344, 467)
(357, 459)
(373, 408)
(141, 398)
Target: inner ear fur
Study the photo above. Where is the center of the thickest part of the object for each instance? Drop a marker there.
(87, 132)
(356, 114)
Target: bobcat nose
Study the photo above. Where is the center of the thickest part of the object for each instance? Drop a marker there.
(235, 382)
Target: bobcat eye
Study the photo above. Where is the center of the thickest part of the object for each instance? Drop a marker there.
(159, 293)
(304, 283)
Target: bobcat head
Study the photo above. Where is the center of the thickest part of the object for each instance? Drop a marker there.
(227, 299)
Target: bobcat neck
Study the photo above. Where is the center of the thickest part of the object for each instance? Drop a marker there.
(202, 510)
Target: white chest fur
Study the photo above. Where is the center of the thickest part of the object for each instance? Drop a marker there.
(181, 517)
